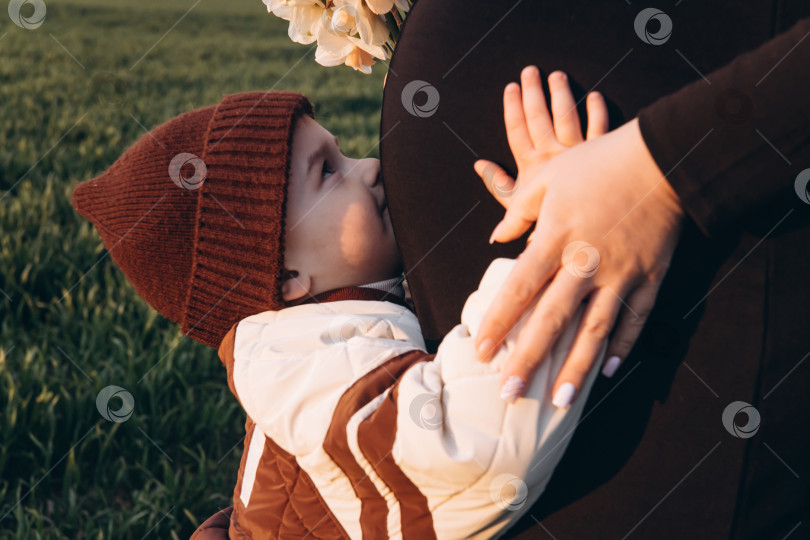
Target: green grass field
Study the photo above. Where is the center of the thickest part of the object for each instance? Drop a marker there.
(74, 94)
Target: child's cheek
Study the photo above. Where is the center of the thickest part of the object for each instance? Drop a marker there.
(356, 235)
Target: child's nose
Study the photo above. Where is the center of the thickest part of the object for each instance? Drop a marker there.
(372, 174)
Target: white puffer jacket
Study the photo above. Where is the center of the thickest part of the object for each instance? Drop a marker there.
(354, 431)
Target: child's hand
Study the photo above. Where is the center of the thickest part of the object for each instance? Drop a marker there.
(534, 137)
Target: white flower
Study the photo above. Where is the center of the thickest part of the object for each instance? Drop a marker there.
(342, 21)
(304, 17)
(332, 47)
(381, 7)
(349, 32)
(279, 8)
(372, 32)
(360, 60)
(305, 21)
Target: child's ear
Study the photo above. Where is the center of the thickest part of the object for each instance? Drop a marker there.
(295, 285)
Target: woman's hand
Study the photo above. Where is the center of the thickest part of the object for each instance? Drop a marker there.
(608, 226)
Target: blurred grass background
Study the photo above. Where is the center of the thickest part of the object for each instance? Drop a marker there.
(74, 94)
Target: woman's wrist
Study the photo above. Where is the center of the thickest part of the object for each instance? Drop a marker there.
(645, 167)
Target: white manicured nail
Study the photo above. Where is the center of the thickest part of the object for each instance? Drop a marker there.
(563, 396)
(495, 232)
(511, 388)
(611, 366)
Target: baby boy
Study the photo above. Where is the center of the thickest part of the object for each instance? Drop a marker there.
(244, 223)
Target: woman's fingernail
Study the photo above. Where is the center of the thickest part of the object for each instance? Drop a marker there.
(484, 349)
(487, 173)
(611, 366)
(512, 388)
(495, 232)
(563, 396)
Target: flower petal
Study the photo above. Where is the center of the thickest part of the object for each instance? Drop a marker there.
(279, 8)
(304, 23)
(380, 7)
(376, 51)
(372, 28)
(337, 44)
(360, 60)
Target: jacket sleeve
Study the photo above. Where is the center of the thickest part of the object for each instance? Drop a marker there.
(454, 432)
(732, 145)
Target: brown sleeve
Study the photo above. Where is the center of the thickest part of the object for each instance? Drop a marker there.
(225, 352)
(732, 145)
(216, 527)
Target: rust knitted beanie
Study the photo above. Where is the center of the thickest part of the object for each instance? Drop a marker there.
(193, 212)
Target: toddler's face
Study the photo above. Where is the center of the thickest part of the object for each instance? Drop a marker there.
(337, 229)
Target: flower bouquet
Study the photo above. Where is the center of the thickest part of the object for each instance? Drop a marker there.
(351, 32)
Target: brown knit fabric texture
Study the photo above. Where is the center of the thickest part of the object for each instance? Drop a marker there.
(193, 212)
